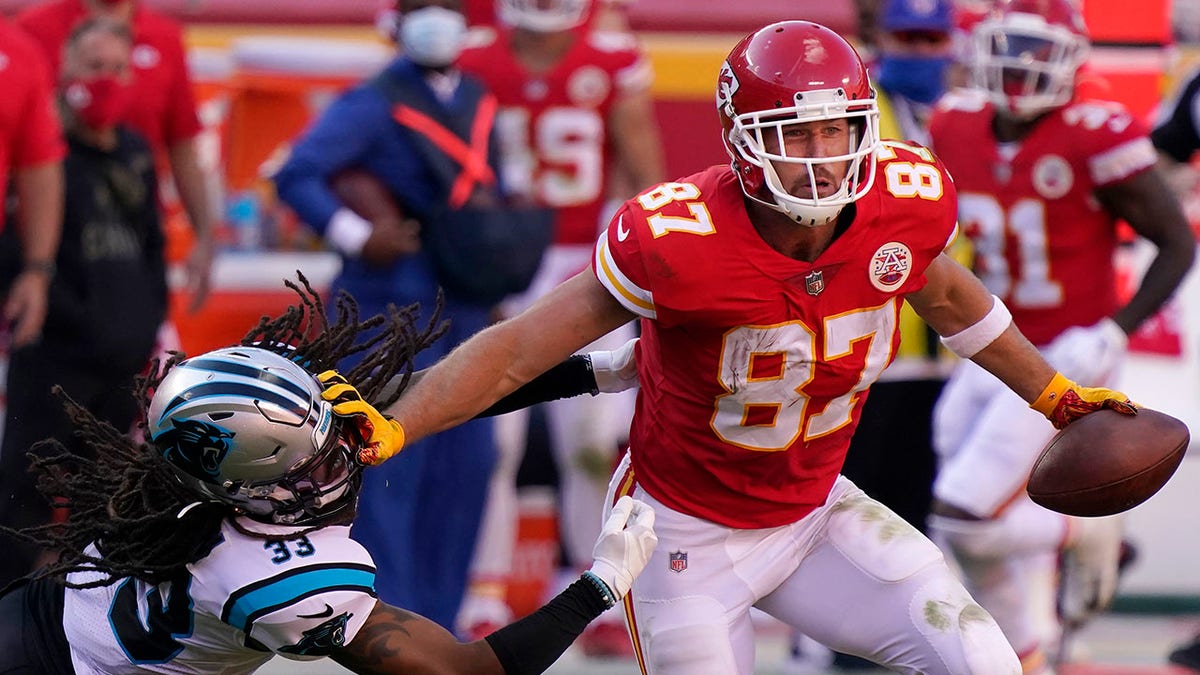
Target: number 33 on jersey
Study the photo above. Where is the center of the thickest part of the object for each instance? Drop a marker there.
(784, 349)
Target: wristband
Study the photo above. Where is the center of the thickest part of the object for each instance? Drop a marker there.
(1052, 394)
(605, 591)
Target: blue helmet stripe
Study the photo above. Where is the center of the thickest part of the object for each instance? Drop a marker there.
(252, 372)
(247, 604)
(299, 408)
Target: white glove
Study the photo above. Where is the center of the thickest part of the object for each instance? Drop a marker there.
(1089, 355)
(615, 371)
(626, 543)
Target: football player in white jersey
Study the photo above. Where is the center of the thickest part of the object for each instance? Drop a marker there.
(223, 541)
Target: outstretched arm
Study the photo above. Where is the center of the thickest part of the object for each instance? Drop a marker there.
(976, 325)
(498, 360)
(397, 641)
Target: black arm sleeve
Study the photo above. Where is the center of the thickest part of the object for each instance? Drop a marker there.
(534, 643)
(572, 377)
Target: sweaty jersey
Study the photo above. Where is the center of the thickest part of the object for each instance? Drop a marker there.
(246, 601)
(1043, 243)
(753, 365)
(553, 127)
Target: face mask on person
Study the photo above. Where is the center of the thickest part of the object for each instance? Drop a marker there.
(433, 36)
(98, 103)
(919, 78)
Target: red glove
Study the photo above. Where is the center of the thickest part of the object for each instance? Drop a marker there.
(382, 436)
(1063, 401)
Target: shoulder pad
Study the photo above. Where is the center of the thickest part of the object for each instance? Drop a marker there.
(611, 41)
(966, 100)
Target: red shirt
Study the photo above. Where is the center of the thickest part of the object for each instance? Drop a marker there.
(30, 133)
(553, 128)
(754, 366)
(164, 110)
(1042, 241)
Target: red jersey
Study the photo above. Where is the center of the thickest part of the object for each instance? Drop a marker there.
(753, 365)
(553, 128)
(1042, 241)
(30, 133)
(165, 109)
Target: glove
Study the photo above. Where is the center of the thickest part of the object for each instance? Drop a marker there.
(382, 436)
(615, 371)
(626, 543)
(1089, 354)
(1063, 401)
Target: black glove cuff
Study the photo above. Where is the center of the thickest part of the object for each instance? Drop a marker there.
(572, 377)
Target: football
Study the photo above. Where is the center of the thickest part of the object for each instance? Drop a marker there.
(365, 194)
(1106, 462)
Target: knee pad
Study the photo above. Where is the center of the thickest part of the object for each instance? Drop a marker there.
(686, 636)
(877, 540)
(966, 638)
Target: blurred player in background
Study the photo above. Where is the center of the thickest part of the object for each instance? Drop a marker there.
(165, 112)
(1177, 138)
(1042, 177)
(768, 292)
(575, 108)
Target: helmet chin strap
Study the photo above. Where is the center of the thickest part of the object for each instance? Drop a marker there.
(808, 215)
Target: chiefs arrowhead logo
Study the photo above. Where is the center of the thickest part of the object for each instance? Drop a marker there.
(727, 86)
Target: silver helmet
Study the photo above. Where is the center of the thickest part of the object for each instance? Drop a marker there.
(248, 427)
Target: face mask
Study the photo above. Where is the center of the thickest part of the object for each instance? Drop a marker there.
(99, 103)
(919, 78)
(433, 36)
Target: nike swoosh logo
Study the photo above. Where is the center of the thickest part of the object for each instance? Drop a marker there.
(319, 615)
(622, 233)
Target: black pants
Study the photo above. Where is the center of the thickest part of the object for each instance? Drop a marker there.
(34, 414)
(32, 641)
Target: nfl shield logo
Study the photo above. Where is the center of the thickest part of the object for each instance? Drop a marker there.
(814, 283)
(678, 561)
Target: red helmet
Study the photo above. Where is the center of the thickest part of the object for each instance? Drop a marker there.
(791, 73)
(1027, 54)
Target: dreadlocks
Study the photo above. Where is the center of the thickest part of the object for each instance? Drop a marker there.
(127, 500)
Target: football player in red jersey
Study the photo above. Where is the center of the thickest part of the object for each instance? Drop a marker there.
(575, 108)
(1043, 176)
(768, 293)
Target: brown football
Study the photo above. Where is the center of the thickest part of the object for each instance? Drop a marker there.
(365, 195)
(1106, 462)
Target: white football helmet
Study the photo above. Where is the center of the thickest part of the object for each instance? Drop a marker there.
(248, 427)
(1027, 54)
(543, 16)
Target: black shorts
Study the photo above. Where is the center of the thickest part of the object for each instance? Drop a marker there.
(32, 641)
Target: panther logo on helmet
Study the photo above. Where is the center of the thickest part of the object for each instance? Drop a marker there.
(196, 447)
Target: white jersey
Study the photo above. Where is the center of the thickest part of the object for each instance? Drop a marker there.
(233, 610)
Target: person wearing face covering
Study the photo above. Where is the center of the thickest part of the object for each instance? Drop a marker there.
(421, 128)
(108, 293)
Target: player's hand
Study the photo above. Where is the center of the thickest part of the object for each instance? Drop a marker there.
(616, 370)
(1089, 354)
(391, 239)
(1063, 401)
(382, 436)
(626, 543)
